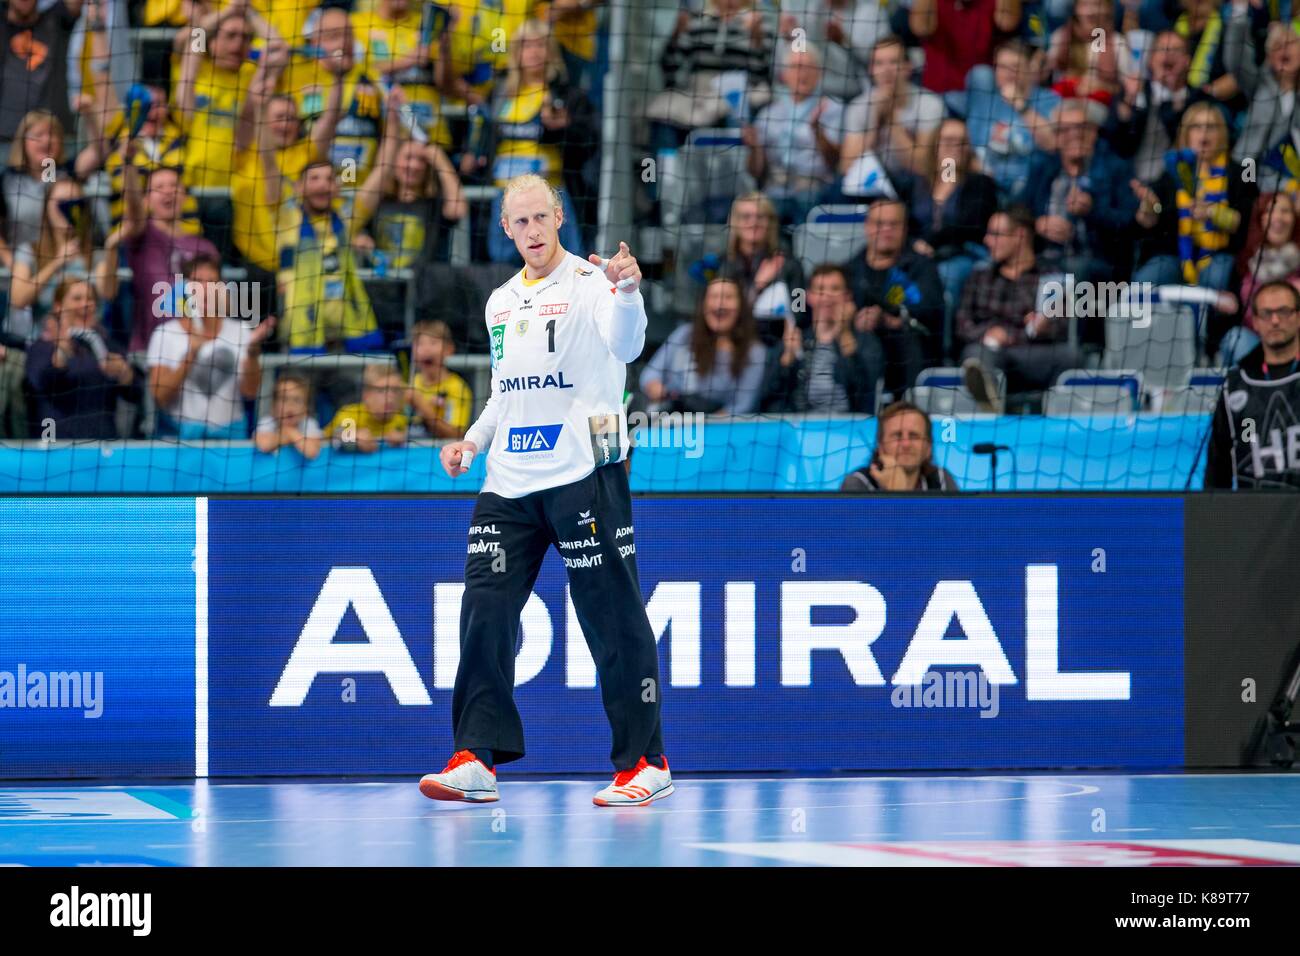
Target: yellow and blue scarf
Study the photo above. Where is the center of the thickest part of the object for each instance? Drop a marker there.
(1199, 239)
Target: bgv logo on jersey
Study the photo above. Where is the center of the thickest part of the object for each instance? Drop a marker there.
(533, 439)
(554, 308)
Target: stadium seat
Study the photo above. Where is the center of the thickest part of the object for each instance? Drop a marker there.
(1082, 391)
(942, 400)
(1164, 347)
(951, 378)
(693, 243)
(1197, 394)
(709, 172)
(830, 234)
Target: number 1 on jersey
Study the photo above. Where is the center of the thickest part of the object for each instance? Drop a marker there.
(550, 335)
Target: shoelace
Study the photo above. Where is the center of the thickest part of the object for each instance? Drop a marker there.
(458, 758)
(623, 777)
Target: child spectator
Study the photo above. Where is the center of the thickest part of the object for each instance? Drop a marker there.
(441, 398)
(378, 419)
(290, 424)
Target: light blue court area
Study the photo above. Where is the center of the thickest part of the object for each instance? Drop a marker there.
(1020, 820)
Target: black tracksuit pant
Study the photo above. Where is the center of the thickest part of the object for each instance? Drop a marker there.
(590, 523)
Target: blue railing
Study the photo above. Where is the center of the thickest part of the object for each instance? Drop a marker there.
(1129, 453)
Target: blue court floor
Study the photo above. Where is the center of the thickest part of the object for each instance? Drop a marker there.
(1003, 820)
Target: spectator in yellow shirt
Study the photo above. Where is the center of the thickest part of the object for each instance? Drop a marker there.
(308, 80)
(325, 305)
(408, 199)
(400, 50)
(209, 91)
(441, 398)
(286, 18)
(270, 156)
(377, 419)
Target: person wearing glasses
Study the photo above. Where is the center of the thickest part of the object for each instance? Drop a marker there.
(1255, 435)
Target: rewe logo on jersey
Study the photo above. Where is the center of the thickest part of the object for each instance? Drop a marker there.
(533, 438)
(553, 308)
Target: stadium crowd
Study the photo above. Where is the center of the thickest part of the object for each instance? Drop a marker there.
(287, 177)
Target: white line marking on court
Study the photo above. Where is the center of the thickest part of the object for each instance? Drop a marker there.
(1084, 790)
(200, 637)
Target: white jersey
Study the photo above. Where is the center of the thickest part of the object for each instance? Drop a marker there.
(560, 349)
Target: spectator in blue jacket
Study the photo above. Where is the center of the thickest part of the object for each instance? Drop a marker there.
(1082, 200)
(898, 296)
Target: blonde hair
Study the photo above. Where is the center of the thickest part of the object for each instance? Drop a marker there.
(1210, 112)
(534, 30)
(525, 182)
(771, 240)
(18, 148)
(378, 374)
